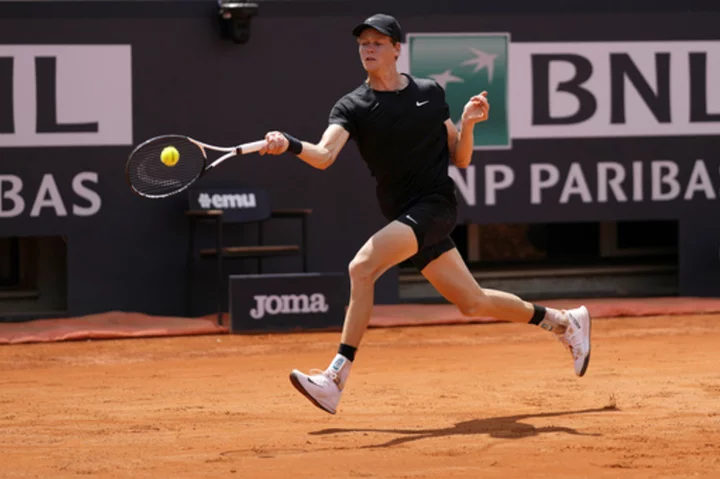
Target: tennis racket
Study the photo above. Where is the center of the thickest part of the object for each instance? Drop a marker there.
(169, 164)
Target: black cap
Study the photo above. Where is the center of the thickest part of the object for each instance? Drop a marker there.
(385, 24)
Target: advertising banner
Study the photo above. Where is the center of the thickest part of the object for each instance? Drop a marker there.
(582, 128)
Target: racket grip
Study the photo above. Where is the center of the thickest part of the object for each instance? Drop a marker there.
(252, 147)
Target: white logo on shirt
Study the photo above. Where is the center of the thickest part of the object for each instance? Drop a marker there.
(421, 103)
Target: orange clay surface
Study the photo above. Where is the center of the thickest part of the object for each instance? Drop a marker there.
(475, 401)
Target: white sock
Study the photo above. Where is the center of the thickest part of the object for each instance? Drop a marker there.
(340, 366)
(554, 320)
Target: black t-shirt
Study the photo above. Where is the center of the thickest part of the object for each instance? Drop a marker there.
(402, 137)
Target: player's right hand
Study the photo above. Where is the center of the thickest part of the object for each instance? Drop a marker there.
(277, 144)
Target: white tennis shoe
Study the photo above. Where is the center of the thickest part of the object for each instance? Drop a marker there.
(576, 338)
(323, 388)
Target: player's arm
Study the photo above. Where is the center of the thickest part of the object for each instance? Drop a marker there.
(461, 143)
(318, 155)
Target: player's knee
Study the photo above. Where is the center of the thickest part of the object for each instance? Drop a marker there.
(360, 270)
(474, 307)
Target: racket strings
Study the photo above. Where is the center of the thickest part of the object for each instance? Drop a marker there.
(149, 176)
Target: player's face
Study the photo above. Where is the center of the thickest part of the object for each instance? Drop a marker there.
(377, 51)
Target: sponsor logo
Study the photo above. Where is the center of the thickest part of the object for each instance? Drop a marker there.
(614, 89)
(16, 198)
(601, 182)
(573, 90)
(65, 95)
(574, 321)
(464, 65)
(338, 364)
(288, 304)
(557, 90)
(227, 201)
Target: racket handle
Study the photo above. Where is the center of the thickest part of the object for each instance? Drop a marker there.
(251, 147)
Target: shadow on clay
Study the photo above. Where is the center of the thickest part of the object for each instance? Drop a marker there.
(505, 427)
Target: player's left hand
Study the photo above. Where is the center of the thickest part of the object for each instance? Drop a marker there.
(477, 109)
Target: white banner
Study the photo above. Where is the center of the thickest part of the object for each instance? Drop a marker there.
(578, 89)
(683, 83)
(65, 95)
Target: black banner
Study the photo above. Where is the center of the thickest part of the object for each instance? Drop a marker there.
(285, 302)
(631, 138)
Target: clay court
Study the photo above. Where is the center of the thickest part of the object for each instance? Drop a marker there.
(464, 400)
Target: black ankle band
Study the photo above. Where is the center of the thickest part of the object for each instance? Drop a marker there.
(538, 315)
(347, 351)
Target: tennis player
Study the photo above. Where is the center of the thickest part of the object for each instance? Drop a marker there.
(402, 127)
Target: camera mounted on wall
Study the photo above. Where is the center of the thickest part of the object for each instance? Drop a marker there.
(235, 18)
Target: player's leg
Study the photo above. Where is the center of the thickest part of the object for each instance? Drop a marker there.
(450, 276)
(386, 248)
(391, 245)
(445, 269)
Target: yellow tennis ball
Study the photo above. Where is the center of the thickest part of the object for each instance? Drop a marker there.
(169, 156)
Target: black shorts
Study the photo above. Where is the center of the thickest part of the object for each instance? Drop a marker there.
(432, 218)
